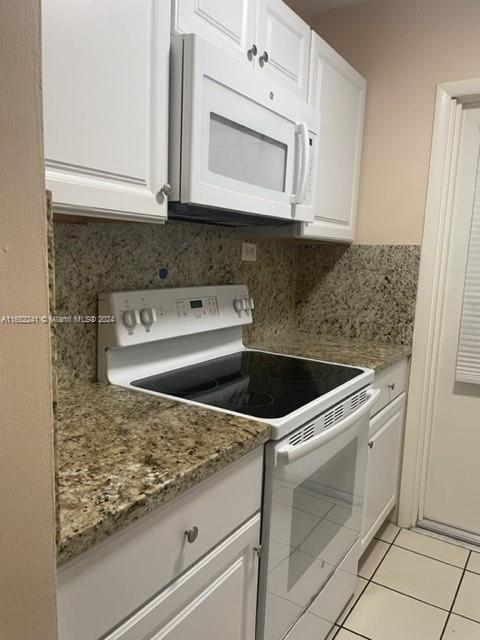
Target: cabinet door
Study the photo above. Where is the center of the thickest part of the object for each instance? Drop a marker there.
(383, 467)
(216, 599)
(285, 39)
(228, 25)
(338, 91)
(105, 88)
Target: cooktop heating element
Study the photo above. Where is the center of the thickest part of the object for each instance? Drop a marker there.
(254, 383)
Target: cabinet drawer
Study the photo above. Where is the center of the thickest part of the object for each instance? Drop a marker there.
(216, 598)
(392, 381)
(107, 583)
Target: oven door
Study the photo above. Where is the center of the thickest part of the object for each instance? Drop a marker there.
(312, 517)
(247, 145)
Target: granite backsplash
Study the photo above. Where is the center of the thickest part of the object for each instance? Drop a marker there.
(355, 291)
(96, 257)
(358, 291)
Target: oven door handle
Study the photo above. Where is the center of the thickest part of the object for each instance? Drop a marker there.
(301, 131)
(291, 453)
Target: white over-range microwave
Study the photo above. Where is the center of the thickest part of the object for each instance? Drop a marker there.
(242, 148)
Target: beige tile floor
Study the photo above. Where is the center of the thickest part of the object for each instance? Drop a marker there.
(414, 587)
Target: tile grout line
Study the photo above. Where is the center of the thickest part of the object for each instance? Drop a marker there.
(455, 596)
(369, 580)
(372, 581)
(407, 595)
(424, 555)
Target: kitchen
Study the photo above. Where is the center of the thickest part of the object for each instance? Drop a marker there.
(280, 229)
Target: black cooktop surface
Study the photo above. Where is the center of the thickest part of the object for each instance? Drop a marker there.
(254, 383)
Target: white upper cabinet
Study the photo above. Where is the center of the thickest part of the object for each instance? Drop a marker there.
(283, 41)
(229, 25)
(338, 91)
(105, 88)
(267, 34)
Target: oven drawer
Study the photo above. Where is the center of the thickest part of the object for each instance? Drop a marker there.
(104, 585)
(392, 381)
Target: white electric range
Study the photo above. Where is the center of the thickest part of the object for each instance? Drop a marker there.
(186, 344)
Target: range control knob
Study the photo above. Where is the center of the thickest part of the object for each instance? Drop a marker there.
(129, 318)
(238, 305)
(147, 318)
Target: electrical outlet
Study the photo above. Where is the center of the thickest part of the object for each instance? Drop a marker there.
(249, 251)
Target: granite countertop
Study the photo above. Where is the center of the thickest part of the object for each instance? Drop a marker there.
(123, 453)
(353, 351)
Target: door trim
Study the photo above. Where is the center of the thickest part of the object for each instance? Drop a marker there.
(431, 289)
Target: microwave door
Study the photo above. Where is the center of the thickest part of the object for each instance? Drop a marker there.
(239, 148)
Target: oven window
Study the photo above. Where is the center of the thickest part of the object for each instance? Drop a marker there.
(244, 154)
(328, 494)
(316, 518)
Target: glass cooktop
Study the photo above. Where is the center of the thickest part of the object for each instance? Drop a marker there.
(254, 383)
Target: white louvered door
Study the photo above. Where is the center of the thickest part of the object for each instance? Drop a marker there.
(452, 487)
(468, 355)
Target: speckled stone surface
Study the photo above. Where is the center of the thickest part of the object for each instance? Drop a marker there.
(123, 453)
(353, 351)
(358, 291)
(96, 257)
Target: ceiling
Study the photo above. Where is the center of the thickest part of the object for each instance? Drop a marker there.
(308, 8)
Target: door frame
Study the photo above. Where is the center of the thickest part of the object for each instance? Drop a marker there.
(431, 289)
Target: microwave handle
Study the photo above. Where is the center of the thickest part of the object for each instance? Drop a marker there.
(291, 453)
(301, 131)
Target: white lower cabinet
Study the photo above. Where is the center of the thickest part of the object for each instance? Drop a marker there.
(187, 570)
(216, 599)
(383, 467)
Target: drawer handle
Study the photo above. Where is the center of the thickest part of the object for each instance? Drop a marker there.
(391, 386)
(191, 534)
(370, 444)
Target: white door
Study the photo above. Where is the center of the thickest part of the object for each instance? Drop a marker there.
(338, 92)
(105, 89)
(383, 467)
(228, 25)
(452, 487)
(216, 599)
(283, 41)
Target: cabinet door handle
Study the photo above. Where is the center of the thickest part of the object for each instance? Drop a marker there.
(391, 386)
(252, 52)
(191, 534)
(263, 59)
(370, 444)
(164, 192)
